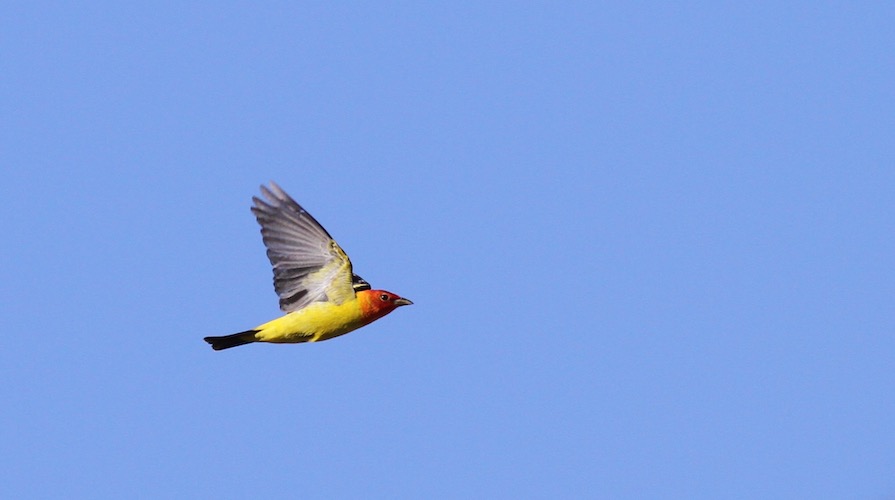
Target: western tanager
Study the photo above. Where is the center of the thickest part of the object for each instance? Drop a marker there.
(319, 292)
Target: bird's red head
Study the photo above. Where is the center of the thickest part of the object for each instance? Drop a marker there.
(377, 303)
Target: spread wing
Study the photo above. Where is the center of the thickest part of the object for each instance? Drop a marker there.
(308, 265)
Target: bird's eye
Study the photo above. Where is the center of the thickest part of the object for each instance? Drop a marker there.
(383, 297)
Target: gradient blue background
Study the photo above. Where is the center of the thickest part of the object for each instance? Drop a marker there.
(651, 249)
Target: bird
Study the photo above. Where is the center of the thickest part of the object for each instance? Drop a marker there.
(313, 277)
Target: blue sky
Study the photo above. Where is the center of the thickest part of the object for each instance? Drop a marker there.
(650, 249)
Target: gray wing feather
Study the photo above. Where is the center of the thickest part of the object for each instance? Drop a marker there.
(298, 248)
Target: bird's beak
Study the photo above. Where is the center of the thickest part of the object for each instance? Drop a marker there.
(402, 302)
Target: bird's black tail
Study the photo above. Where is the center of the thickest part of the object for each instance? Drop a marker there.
(228, 341)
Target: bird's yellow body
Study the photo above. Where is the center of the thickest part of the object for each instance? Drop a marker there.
(318, 321)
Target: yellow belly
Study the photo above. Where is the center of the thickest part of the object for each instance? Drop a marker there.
(318, 321)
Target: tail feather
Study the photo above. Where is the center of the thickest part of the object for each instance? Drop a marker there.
(228, 341)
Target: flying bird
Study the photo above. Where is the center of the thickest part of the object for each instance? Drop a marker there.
(318, 290)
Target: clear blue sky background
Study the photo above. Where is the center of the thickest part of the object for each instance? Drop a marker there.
(650, 248)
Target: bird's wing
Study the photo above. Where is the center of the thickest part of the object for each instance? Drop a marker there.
(308, 265)
(359, 283)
